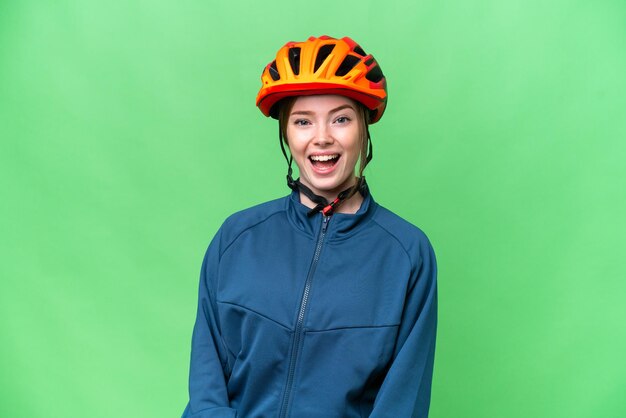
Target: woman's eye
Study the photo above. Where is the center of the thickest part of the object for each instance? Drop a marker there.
(301, 122)
(342, 119)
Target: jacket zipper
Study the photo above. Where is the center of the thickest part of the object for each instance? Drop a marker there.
(298, 333)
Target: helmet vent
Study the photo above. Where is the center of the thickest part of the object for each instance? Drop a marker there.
(322, 54)
(348, 63)
(274, 71)
(294, 59)
(375, 74)
(359, 51)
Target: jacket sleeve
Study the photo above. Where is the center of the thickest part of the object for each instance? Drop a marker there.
(405, 392)
(208, 397)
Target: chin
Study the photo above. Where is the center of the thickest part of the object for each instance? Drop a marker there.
(330, 185)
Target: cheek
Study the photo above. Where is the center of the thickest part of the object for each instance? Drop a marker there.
(295, 145)
(293, 142)
(353, 148)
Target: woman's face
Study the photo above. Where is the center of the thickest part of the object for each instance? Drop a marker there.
(324, 139)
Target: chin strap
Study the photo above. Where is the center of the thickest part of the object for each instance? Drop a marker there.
(322, 205)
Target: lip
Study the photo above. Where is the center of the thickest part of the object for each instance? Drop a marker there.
(321, 154)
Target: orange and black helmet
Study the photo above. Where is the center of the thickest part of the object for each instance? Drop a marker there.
(323, 65)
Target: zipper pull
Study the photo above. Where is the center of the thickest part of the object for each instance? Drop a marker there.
(325, 222)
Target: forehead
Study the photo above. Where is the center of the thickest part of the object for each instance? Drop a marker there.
(322, 103)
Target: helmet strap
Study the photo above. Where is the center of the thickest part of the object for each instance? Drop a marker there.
(370, 150)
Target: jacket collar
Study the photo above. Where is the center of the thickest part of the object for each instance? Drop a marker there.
(341, 225)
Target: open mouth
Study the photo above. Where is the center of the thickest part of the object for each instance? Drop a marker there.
(324, 162)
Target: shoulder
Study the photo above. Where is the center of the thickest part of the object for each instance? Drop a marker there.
(411, 238)
(243, 220)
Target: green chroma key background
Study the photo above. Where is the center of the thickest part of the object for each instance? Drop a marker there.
(128, 132)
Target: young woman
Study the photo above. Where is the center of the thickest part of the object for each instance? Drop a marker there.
(322, 303)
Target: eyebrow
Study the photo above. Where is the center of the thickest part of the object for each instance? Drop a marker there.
(308, 112)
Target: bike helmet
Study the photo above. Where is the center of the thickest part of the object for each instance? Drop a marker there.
(323, 65)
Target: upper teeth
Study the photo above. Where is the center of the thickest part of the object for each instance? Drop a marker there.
(324, 157)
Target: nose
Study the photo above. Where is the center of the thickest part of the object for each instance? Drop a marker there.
(323, 136)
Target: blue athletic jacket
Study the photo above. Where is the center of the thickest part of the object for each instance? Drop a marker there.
(314, 317)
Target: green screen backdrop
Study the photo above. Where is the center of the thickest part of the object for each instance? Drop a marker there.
(128, 132)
